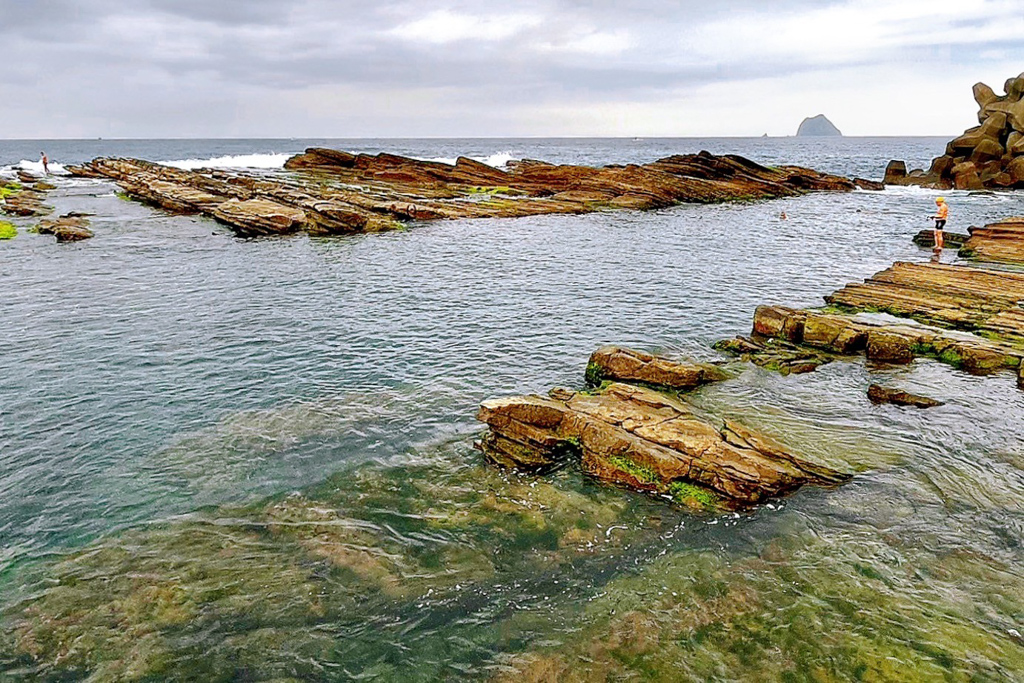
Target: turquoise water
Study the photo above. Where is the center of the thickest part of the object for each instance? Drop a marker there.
(167, 378)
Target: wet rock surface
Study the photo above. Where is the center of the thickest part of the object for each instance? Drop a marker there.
(24, 198)
(1000, 242)
(990, 155)
(647, 441)
(948, 300)
(926, 238)
(70, 227)
(617, 363)
(332, 192)
(880, 394)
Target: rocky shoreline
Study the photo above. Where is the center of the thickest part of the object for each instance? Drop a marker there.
(330, 192)
(634, 428)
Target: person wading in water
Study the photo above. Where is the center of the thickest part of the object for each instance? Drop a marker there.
(46, 162)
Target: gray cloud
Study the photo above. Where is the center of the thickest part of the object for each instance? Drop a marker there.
(171, 67)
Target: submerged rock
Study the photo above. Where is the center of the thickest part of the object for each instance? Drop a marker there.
(879, 394)
(332, 192)
(644, 440)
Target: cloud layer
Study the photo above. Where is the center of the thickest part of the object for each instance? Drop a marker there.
(248, 68)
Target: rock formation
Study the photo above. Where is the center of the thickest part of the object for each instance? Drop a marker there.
(990, 155)
(945, 301)
(331, 192)
(24, 198)
(647, 441)
(880, 394)
(817, 126)
(71, 227)
(1001, 242)
(614, 363)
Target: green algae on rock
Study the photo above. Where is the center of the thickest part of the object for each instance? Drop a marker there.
(644, 440)
(837, 607)
(303, 583)
(7, 231)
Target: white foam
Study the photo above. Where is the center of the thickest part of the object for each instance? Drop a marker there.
(497, 160)
(36, 167)
(237, 161)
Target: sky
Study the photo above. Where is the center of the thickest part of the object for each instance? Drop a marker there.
(545, 68)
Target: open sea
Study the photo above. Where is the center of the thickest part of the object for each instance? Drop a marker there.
(232, 459)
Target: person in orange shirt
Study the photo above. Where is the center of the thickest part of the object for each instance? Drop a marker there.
(941, 215)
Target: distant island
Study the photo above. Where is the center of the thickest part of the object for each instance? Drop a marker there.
(818, 126)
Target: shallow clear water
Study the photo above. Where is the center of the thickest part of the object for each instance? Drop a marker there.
(166, 365)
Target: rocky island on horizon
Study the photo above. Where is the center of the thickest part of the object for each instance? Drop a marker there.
(818, 126)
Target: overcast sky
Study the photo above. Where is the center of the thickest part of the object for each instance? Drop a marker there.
(390, 68)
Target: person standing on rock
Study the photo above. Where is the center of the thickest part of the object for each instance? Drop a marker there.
(46, 162)
(941, 215)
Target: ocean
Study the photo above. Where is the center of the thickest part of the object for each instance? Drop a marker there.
(176, 402)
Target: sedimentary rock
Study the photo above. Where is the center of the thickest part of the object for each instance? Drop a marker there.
(23, 200)
(943, 297)
(926, 238)
(1002, 241)
(956, 297)
(985, 156)
(71, 227)
(879, 394)
(627, 365)
(642, 439)
(335, 192)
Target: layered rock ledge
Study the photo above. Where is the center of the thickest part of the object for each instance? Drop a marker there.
(639, 438)
(1000, 242)
(331, 192)
(967, 317)
(990, 155)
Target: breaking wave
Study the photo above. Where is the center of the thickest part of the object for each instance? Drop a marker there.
(237, 161)
(497, 160)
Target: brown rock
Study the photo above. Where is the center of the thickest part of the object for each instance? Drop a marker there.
(1014, 87)
(836, 333)
(895, 172)
(639, 438)
(971, 138)
(879, 394)
(984, 95)
(254, 217)
(626, 365)
(1015, 115)
(1015, 143)
(993, 126)
(890, 346)
(870, 185)
(1015, 169)
(987, 150)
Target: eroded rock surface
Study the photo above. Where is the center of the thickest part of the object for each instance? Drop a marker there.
(25, 198)
(334, 192)
(880, 394)
(617, 363)
(1001, 242)
(639, 438)
(71, 227)
(949, 300)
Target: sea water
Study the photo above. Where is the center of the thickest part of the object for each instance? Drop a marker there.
(193, 421)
